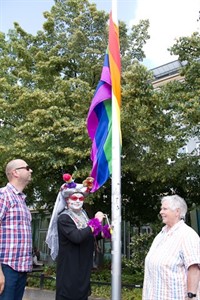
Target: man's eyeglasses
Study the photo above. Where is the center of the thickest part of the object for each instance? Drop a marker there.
(27, 168)
(74, 198)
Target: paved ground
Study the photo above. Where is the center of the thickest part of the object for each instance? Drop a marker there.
(37, 294)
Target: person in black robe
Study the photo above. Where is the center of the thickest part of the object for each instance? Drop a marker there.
(71, 236)
(75, 259)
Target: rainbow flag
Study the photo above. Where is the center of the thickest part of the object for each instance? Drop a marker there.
(99, 120)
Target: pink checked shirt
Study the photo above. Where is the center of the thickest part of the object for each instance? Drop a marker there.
(166, 264)
(15, 230)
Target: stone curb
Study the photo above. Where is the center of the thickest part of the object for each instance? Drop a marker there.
(38, 294)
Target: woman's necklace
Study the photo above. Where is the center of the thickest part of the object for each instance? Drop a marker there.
(80, 218)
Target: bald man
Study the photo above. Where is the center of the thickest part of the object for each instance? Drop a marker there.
(15, 232)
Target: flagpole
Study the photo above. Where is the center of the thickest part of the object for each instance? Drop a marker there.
(116, 192)
(116, 217)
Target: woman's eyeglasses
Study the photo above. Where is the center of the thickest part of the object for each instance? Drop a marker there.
(27, 168)
(74, 198)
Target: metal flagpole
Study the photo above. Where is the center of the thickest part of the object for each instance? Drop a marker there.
(116, 193)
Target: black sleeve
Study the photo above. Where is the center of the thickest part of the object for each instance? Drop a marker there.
(67, 228)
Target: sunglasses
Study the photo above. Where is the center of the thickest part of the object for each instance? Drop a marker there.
(74, 198)
(27, 168)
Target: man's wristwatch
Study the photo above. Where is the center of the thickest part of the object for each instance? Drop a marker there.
(191, 295)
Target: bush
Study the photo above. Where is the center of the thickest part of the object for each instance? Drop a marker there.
(127, 293)
(140, 244)
(101, 275)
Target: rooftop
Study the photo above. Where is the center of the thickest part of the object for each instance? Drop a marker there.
(168, 69)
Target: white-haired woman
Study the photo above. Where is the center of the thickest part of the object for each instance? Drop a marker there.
(172, 263)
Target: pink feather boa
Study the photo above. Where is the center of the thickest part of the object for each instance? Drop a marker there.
(106, 231)
(96, 225)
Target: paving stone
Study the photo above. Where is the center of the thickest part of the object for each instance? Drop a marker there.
(38, 294)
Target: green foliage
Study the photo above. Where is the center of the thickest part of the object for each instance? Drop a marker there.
(35, 281)
(47, 82)
(126, 293)
(187, 48)
(50, 270)
(102, 275)
(139, 246)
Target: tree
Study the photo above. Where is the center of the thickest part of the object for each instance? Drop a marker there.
(48, 81)
(185, 97)
(155, 125)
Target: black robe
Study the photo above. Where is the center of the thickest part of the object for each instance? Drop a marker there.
(74, 261)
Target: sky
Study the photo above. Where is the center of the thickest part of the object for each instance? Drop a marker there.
(169, 20)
